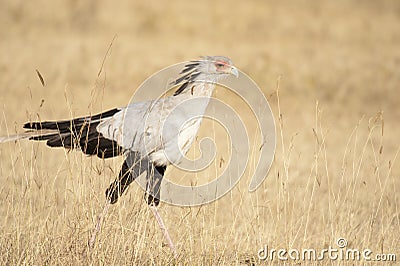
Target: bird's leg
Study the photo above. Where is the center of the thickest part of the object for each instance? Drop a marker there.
(126, 176)
(164, 229)
(99, 224)
(121, 183)
(152, 196)
(116, 188)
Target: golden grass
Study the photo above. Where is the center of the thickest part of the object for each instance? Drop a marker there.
(335, 174)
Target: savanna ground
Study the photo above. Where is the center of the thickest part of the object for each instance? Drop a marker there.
(335, 173)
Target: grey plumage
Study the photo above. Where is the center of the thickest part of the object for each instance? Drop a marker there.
(149, 134)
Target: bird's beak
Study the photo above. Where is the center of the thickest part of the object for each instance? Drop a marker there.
(234, 71)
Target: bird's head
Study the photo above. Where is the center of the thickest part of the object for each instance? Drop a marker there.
(208, 69)
(217, 66)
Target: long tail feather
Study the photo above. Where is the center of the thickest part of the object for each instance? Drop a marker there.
(79, 133)
(26, 135)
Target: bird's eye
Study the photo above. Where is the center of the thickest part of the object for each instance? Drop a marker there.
(219, 65)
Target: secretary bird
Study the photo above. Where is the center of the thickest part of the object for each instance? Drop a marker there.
(137, 132)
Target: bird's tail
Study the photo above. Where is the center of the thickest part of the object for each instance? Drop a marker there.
(25, 135)
(79, 133)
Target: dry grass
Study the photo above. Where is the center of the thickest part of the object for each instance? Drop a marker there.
(336, 171)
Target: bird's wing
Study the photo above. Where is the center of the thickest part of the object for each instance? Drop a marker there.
(133, 127)
(167, 124)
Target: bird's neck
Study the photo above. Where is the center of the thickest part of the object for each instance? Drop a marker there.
(203, 86)
(198, 90)
(202, 90)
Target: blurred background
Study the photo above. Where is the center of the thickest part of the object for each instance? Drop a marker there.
(342, 54)
(337, 64)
